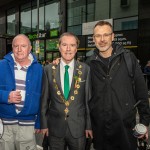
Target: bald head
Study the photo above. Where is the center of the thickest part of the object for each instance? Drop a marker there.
(21, 46)
(21, 36)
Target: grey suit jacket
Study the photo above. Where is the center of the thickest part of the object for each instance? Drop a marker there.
(52, 104)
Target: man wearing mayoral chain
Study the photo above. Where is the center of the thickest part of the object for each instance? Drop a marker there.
(65, 94)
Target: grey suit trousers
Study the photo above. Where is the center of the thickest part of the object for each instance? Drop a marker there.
(57, 143)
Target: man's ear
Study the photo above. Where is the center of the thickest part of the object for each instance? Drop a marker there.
(76, 50)
(113, 36)
(93, 38)
(30, 49)
(59, 48)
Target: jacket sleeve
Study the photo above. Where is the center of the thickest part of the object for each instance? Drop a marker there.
(141, 93)
(37, 121)
(4, 95)
(6, 86)
(88, 97)
(44, 100)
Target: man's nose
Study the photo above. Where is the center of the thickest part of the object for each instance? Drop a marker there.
(102, 37)
(19, 48)
(68, 47)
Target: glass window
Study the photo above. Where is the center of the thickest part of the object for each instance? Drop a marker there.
(49, 57)
(124, 10)
(40, 54)
(25, 26)
(126, 24)
(102, 9)
(34, 16)
(75, 29)
(79, 11)
(41, 17)
(51, 15)
(52, 45)
(121, 9)
(2, 24)
(76, 12)
(90, 12)
(11, 22)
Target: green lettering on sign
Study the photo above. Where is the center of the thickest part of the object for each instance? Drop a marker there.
(32, 36)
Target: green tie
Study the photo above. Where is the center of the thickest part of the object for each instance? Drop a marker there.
(66, 82)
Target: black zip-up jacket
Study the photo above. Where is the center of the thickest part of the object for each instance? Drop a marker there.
(113, 114)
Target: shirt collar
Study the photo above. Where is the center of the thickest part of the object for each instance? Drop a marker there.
(30, 57)
(71, 64)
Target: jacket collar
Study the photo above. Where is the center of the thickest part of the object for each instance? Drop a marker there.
(117, 50)
(9, 58)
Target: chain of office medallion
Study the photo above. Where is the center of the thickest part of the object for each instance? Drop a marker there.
(77, 85)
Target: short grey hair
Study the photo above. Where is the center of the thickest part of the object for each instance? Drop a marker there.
(69, 34)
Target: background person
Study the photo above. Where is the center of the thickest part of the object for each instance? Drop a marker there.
(147, 68)
(112, 107)
(147, 75)
(20, 91)
(65, 117)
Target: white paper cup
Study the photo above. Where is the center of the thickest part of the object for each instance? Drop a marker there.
(139, 130)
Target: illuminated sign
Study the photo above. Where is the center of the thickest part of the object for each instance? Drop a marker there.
(34, 36)
(53, 33)
(44, 34)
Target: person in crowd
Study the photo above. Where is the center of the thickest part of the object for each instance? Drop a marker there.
(147, 68)
(20, 91)
(147, 75)
(66, 91)
(115, 97)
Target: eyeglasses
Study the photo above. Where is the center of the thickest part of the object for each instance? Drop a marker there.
(106, 35)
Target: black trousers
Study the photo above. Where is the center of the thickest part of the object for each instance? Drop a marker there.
(45, 143)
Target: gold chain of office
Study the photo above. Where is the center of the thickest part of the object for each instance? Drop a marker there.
(76, 88)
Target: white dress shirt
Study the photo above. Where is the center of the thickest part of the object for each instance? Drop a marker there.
(62, 72)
